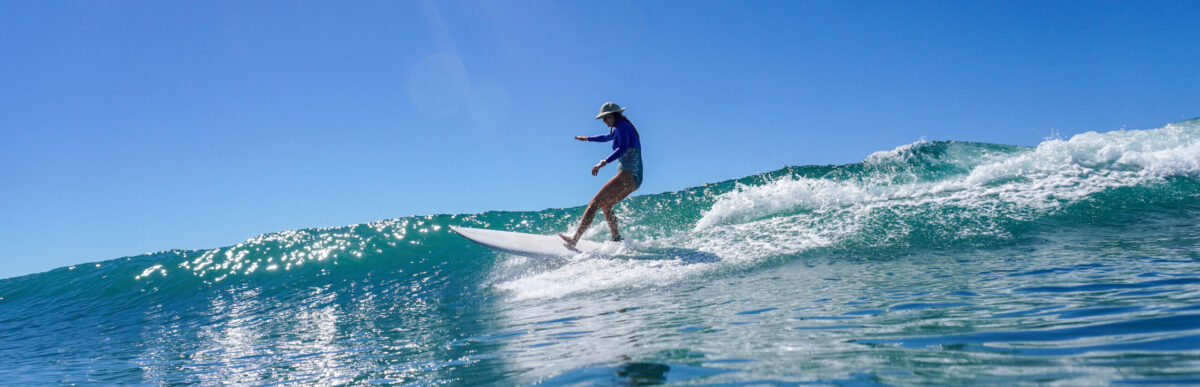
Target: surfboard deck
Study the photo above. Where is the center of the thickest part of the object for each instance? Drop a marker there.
(528, 245)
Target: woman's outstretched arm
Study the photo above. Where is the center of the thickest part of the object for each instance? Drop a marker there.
(604, 137)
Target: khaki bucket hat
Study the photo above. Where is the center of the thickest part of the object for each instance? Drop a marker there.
(609, 108)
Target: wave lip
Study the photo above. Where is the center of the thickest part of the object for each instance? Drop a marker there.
(964, 188)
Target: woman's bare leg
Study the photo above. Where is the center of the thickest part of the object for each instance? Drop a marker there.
(627, 188)
(611, 218)
(612, 192)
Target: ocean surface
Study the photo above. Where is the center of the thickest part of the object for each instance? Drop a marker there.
(1075, 262)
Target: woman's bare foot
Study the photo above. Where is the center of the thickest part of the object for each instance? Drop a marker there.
(570, 241)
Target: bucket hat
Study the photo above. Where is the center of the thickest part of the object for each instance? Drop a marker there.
(609, 108)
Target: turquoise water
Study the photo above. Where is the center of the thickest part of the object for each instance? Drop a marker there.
(945, 263)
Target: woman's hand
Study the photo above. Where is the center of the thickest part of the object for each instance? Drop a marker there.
(596, 169)
(581, 138)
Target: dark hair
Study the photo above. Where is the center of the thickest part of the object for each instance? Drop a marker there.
(621, 117)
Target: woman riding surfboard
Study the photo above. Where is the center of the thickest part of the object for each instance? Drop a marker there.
(627, 151)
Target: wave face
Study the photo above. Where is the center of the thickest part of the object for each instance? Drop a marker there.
(1074, 261)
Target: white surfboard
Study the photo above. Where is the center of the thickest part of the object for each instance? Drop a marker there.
(528, 245)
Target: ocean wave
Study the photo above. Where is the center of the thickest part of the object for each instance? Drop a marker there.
(921, 195)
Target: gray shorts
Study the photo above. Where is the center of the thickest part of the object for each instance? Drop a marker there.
(632, 161)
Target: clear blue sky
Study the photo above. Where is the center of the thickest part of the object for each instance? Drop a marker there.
(129, 127)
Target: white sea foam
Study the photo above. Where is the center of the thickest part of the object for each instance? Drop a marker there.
(598, 273)
(751, 202)
(894, 154)
(1053, 173)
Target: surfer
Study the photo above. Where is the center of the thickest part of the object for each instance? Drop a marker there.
(627, 151)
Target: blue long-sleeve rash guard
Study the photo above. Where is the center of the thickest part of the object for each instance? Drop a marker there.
(623, 136)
